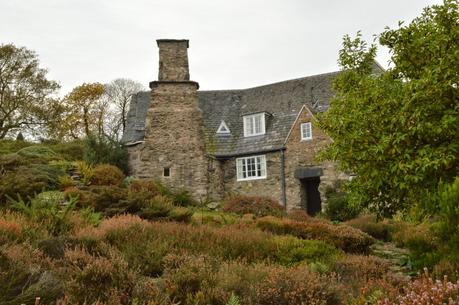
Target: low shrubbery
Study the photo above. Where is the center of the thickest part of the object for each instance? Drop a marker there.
(106, 174)
(369, 224)
(259, 206)
(205, 280)
(341, 236)
(132, 234)
(424, 291)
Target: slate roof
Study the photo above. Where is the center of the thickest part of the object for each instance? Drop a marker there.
(280, 101)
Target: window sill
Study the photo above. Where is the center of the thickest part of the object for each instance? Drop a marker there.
(251, 179)
(306, 140)
(255, 135)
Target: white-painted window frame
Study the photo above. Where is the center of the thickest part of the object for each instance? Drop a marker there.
(250, 124)
(306, 131)
(257, 166)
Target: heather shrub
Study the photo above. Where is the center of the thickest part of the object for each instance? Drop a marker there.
(133, 236)
(26, 273)
(180, 214)
(106, 174)
(299, 215)
(204, 279)
(257, 205)
(10, 231)
(341, 236)
(90, 278)
(356, 270)
(218, 218)
(288, 286)
(369, 224)
(424, 291)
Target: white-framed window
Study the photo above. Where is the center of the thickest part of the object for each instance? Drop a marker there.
(254, 124)
(251, 168)
(223, 128)
(306, 131)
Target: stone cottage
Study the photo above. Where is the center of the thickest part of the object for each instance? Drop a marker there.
(256, 141)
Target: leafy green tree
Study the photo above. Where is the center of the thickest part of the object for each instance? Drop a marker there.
(398, 130)
(24, 89)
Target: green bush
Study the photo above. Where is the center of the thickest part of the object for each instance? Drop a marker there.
(183, 198)
(341, 236)
(257, 205)
(338, 207)
(180, 214)
(71, 151)
(11, 146)
(106, 174)
(26, 181)
(369, 224)
(157, 207)
(38, 152)
(98, 151)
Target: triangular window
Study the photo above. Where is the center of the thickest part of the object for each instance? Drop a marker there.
(223, 129)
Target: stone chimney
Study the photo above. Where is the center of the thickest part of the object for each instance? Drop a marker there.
(173, 60)
(174, 143)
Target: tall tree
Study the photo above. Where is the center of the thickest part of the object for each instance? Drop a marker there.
(80, 113)
(120, 92)
(399, 130)
(24, 89)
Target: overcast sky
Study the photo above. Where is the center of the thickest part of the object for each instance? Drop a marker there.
(233, 44)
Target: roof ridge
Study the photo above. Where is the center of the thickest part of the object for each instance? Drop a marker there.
(270, 84)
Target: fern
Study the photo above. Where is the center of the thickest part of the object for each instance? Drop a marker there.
(233, 300)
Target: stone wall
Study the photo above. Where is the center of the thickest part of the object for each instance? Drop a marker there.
(303, 153)
(270, 187)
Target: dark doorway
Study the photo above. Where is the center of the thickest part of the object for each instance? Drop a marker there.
(310, 195)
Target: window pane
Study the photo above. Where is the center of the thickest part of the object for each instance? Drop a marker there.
(248, 127)
(306, 131)
(257, 121)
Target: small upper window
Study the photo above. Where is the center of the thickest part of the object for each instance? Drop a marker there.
(306, 131)
(254, 124)
(166, 172)
(223, 128)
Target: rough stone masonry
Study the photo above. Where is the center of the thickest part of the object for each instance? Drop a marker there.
(201, 141)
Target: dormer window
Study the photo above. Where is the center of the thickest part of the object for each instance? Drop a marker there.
(223, 128)
(254, 124)
(306, 131)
